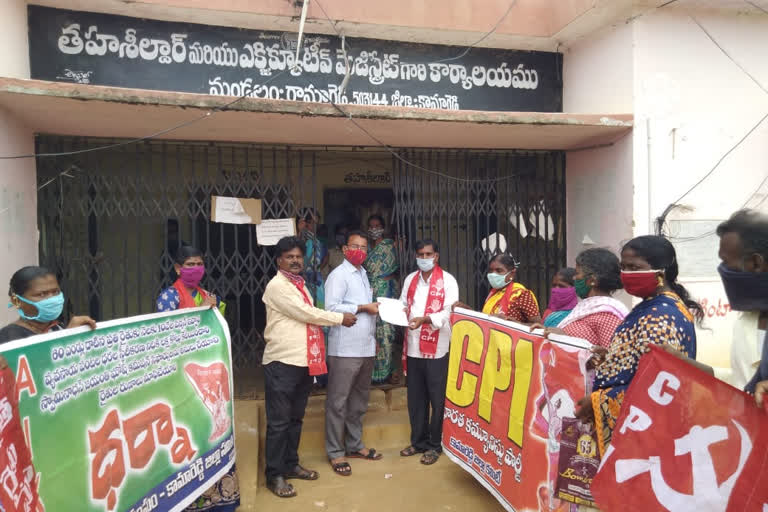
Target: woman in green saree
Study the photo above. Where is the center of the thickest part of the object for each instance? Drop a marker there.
(382, 267)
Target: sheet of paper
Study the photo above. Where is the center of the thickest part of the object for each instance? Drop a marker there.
(392, 311)
(270, 231)
(235, 210)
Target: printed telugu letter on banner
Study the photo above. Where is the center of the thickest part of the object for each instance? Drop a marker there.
(134, 416)
(507, 394)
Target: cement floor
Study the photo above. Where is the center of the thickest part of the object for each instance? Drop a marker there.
(412, 487)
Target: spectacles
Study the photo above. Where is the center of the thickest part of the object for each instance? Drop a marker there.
(356, 247)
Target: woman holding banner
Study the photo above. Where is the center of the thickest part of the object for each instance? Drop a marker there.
(664, 317)
(508, 299)
(36, 295)
(224, 495)
(598, 314)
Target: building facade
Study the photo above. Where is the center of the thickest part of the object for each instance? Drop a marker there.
(567, 127)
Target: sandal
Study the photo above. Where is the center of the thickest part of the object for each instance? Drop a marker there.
(371, 455)
(409, 451)
(281, 488)
(302, 473)
(429, 457)
(341, 468)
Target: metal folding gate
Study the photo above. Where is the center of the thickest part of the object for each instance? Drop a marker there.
(111, 220)
(478, 204)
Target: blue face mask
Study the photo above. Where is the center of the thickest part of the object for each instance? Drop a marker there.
(48, 309)
(497, 280)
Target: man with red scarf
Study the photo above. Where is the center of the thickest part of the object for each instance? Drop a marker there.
(294, 353)
(427, 295)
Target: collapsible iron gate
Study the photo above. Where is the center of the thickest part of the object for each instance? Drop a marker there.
(111, 220)
(478, 204)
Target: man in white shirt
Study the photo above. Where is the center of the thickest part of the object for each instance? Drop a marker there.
(350, 357)
(427, 296)
(746, 347)
(744, 272)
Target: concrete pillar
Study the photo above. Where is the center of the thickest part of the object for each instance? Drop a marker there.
(18, 204)
(14, 40)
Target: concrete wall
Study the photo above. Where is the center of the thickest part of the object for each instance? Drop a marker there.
(693, 104)
(18, 197)
(598, 77)
(18, 204)
(14, 45)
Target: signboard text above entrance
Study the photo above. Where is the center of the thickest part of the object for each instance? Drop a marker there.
(101, 49)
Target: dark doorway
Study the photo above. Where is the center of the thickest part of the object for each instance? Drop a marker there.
(352, 206)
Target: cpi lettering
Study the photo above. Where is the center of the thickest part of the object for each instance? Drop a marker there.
(497, 354)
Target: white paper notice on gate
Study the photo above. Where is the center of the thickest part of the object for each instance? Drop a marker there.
(235, 210)
(270, 231)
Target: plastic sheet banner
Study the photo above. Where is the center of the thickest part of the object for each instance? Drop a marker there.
(507, 394)
(136, 415)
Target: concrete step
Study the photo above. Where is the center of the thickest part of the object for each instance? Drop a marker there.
(385, 425)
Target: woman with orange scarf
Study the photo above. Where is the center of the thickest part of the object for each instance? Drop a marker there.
(508, 299)
(224, 495)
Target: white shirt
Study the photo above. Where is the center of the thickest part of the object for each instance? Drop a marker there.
(346, 288)
(746, 350)
(440, 320)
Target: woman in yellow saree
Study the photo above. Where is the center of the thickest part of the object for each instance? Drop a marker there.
(508, 299)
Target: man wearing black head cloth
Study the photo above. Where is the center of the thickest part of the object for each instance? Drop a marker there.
(744, 271)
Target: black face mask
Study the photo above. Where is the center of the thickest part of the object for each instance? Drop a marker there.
(746, 291)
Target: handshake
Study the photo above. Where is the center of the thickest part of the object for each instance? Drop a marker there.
(350, 319)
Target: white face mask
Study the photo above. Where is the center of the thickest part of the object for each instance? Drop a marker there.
(425, 264)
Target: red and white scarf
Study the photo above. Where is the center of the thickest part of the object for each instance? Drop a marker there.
(429, 336)
(315, 335)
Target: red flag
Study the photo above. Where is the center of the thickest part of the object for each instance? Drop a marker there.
(684, 442)
(18, 480)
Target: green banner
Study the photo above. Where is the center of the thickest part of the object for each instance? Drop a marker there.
(134, 416)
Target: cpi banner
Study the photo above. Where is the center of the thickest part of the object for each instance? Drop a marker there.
(684, 442)
(507, 394)
(135, 416)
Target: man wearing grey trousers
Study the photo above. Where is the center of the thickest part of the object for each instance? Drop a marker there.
(350, 357)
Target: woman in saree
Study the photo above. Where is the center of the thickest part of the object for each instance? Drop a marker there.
(224, 495)
(597, 316)
(382, 266)
(665, 317)
(508, 299)
(316, 255)
(562, 298)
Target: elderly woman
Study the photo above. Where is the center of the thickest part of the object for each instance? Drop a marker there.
(36, 295)
(382, 266)
(649, 272)
(598, 314)
(562, 298)
(508, 299)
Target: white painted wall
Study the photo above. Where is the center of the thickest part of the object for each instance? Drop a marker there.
(698, 104)
(14, 42)
(598, 77)
(18, 205)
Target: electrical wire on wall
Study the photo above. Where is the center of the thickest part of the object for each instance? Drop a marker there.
(661, 220)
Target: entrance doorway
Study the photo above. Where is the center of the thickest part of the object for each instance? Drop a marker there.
(351, 207)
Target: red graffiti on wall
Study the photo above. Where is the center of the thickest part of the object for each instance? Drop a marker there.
(139, 436)
(715, 311)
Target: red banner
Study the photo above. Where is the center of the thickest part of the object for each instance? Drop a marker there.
(684, 442)
(508, 391)
(18, 480)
